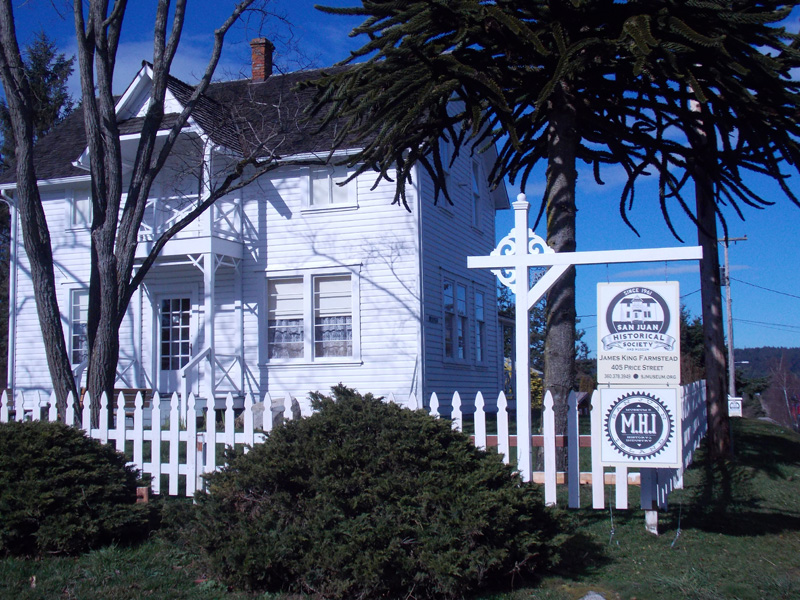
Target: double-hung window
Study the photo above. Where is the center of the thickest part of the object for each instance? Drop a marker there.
(477, 189)
(80, 208)
(480, 328)
(455, 320)
(333, 316)
(79, 310)
(310, 317)
(285, 327)
(327, 187)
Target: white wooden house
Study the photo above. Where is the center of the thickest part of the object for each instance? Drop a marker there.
(290, 285)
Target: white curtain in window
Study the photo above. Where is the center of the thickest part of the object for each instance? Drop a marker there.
(285, 318)
(333, 316)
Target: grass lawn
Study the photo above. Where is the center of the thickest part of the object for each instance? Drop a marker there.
(734, 532)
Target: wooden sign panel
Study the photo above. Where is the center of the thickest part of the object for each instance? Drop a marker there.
(641, 427)
(638, 333)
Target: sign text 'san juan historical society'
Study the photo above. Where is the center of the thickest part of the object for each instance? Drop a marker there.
(638, 333)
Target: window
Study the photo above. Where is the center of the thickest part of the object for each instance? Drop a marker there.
(480, 327)
(81, 208)
(446, 157)
(455, 320)
(477, 189)
(311, 317)
(79, 310)
(325, 190)
(449, 318)
(461, 321)
(285, 327)
(333, 320)
(176, 347)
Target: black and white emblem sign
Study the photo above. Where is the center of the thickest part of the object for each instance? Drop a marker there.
(638, 320)
(638, 333)
(640, 427)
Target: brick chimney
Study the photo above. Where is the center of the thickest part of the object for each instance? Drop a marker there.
(262, 50)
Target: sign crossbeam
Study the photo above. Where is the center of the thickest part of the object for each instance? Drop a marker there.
(519, 251)
(593, 257)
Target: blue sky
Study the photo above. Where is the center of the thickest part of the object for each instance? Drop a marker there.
(765, 290)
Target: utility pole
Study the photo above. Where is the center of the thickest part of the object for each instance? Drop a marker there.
(727, 281)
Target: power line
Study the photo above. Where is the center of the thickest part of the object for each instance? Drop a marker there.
(690, 293)
(766, 289)
(778, 326)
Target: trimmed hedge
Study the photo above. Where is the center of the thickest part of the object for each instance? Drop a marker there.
(365, 499)
(63, 493)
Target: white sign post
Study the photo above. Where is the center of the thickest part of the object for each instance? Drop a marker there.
(515, 254)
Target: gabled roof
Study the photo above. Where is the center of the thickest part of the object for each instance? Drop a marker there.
(238, 115)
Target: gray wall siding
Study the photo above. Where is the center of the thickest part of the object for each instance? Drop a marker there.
(449, 235)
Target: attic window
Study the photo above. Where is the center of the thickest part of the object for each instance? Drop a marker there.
(325, 189)
(81, 209)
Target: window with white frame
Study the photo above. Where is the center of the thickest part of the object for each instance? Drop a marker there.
(311, 317)
(455, 319)
(285, 323)
(333, 316)
(81, 208)
(480, 328)
(78, 317)
(327, 189)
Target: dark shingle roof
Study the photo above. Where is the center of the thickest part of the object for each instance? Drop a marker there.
(239, 115)
(54, 153)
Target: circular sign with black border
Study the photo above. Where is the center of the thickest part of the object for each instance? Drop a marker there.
(639, 425)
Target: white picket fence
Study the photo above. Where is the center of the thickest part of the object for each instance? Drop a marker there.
(161, 447)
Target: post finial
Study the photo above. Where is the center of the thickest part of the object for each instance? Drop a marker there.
(521, 203)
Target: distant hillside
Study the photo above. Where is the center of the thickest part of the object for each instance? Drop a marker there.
(767, 360)
(781, 400)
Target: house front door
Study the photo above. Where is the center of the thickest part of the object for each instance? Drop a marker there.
(175, 345)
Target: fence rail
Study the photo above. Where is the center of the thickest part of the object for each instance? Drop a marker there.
(176, 452)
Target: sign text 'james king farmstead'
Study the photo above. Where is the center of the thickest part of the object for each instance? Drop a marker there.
(638, 333)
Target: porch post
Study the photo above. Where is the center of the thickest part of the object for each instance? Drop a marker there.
(209, 279)
(523, 372)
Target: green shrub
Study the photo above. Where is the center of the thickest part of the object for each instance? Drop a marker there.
(365, 499)
(63, 493)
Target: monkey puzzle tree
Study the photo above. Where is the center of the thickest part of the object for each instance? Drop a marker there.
(562, 81)
(717, 81)
(537, 79)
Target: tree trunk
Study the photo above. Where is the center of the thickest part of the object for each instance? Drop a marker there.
(704, 145)
(713, 337)
(36, 236)
(559, 345)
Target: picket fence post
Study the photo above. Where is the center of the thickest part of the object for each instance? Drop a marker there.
(52, 413)
(598, 475)
(4, 407)
(191, 445)
(434, 405)
(549, 448)
(573, 452)
(155, 442)
(479, 421)
(503, 442)
(455, 412)
(174, 443)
